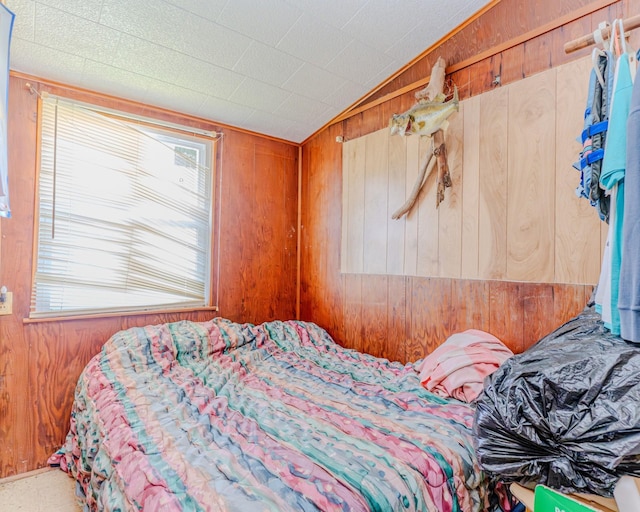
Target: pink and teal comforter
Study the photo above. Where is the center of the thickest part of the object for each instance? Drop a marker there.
(273, 417)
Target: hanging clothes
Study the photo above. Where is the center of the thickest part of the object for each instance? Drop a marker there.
(593, 136)
(612, 179)
(629, 290)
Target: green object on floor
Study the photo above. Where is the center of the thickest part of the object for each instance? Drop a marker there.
(548, 500)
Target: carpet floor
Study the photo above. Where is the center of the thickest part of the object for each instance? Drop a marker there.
(41, 491)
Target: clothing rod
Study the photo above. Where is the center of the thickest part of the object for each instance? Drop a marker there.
(589, 39)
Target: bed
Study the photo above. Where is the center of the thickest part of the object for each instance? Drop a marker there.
(224, 416)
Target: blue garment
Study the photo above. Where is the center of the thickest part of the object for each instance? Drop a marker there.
(593, 136)
(613, 172)
(629, 291)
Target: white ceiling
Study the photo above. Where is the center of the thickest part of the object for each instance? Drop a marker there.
(278, 67)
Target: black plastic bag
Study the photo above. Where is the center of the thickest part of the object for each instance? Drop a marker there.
(565, 413)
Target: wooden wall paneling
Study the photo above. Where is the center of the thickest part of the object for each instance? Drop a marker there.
(565, 33)
(40, 362)
(483, 74)
(58, 359)
(308, 294)
(236, 226)
(470, 188)
(470, 305)
(16, 425)
(577, 224)
(506, 315)
(431, 302)
(427, 259)
(285, 297)
(348, 162)
(568, 301)
(315, 232)
(333, 285)
(537, 54)
(610, 13)
(632, 7)
(356, 176)
(419, 304)
(397, 186)
(450, 210)
(531, 179)
(376, 200)
(414, 162)
(462, 80)
(492, 227)
(375, 327)
(538, 312)
(352, 127)
(512, 68)
(353, 305)
(268, 212)
(397, 314)
(439, 313)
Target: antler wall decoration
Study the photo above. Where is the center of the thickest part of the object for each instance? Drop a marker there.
(428, 118)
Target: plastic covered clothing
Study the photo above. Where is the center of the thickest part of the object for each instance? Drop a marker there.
(564, 413)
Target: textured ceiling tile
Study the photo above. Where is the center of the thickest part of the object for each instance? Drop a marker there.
(345, 95)
(209, 9)
(265, 21)
(429, 30)
(384, 22)
(73, 34)
(299, 108)
(223, 111)
(182, 53)
(145, 58)
(24, 22)
(382, 76)
(414, 42)
(147, 19)
(313, 82)
(259, 95)
(313, 41)
(276, 126)
(359, 63)
(174, 98)
(203, 77)
(334, 12)
(296, 132)
(34, 59)
(267, 64)
(107, 79)
(213, 43)
(88, 9)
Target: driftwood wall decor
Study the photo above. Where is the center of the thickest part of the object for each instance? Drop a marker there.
(428, 118)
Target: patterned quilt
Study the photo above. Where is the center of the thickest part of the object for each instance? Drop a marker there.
(273, 417)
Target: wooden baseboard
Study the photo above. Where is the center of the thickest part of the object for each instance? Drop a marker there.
(13, 478)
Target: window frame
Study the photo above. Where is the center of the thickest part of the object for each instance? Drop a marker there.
(153, 120)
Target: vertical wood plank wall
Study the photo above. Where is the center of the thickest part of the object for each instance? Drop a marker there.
(40, 363)
(404, 317)
(524, 172)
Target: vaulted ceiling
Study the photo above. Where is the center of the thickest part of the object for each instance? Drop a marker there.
(282, 68)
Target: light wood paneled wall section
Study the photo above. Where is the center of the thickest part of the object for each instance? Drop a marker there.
(519, 205)
(40, 363)
(413, 314)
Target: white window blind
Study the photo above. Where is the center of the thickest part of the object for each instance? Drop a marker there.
(124, 219)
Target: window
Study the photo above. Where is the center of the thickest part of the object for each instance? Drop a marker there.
(124, 214)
